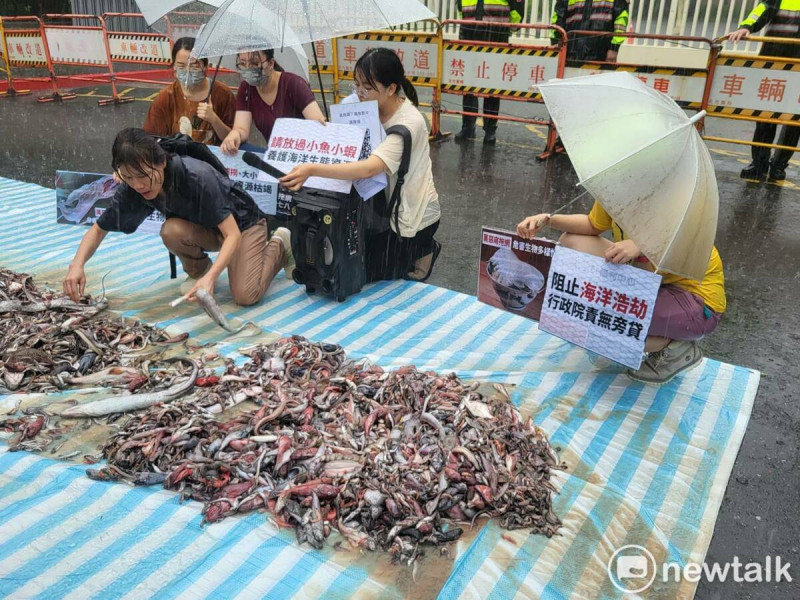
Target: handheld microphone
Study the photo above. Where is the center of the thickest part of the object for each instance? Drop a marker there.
(254, 161)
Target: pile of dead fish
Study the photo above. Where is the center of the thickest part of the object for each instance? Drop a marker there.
(391, 460)
(47, 341)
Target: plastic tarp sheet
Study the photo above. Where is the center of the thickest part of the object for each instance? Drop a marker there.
(646, 465)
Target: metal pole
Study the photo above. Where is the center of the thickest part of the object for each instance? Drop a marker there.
(319, 78)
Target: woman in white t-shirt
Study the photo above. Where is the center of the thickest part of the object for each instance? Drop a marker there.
(408, 249)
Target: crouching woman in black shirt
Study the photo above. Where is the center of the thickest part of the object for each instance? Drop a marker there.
(204, 213)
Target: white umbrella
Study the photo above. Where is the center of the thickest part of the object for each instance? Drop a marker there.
(640, 156)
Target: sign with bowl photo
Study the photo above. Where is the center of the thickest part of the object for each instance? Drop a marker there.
(513, 272)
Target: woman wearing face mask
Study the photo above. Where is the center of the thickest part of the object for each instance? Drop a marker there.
(185, 106)
(204, 213)
(267, 93)
(410, 250)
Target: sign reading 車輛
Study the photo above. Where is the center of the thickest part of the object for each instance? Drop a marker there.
(129, 47)
(756, 88)
(25, 49)
(500, 70)
(419, 53)
(600, 306)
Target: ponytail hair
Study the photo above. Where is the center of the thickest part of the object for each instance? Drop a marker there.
(270, 55)
(383, 66)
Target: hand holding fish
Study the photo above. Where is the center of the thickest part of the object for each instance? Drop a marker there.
(206, 282)
(75, 282)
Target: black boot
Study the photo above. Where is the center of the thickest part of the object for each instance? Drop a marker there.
(777, 172)
(490, 136)
(467, 132)
(755, 170)
(777, 168)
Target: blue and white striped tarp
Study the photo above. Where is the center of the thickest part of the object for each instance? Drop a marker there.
(646, 465)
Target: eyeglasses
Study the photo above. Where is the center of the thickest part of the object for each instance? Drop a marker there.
(360, 90)
(249, 65)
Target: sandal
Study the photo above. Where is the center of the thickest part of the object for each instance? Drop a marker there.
(437, 248)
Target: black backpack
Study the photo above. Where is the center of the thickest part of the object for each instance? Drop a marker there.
(183, 145)
(381, 208)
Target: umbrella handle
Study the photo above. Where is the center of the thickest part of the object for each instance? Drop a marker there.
(697, 117)
(196, 120)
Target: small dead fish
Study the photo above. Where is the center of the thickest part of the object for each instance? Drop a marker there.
(130, 402)
(109, 375)
(212, 309)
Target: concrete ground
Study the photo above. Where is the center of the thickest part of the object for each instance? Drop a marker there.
(498, 186)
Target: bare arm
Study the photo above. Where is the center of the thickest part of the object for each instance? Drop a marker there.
(313, 112)
(578, 224)
(238, 133)
(361, 169)
(232, 237)
(75, 281)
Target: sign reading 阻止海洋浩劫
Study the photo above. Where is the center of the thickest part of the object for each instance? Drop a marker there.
(598, 305)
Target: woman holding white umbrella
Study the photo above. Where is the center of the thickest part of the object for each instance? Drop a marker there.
(685, 310)
(652, 177)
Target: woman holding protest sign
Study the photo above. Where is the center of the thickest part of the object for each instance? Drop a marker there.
(186, 106)
(407, 247)
(267, 93)
(204, 212)
(685, 310)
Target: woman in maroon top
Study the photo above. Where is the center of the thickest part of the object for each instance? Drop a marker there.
(267, 93)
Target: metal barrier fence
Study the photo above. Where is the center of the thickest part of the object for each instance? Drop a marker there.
(506, 71)
(420, 54)
(6, 68)
(763, 89)
(732, 85)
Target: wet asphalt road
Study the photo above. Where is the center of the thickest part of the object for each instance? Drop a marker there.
(757, 238)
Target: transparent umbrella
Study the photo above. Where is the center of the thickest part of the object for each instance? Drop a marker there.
(313, 20)
(193, 16)
(242, 25)
(638, 154)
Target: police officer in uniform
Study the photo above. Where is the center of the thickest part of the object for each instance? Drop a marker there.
(488, 11)
(592, 15)
(782, 19)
